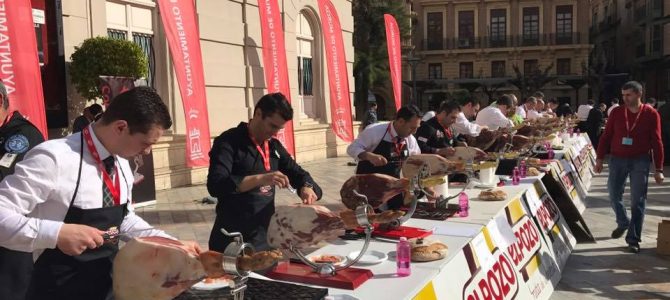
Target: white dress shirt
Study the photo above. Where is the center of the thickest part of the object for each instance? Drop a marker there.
(35, 199)
(493, 118)
(609, 110)
(521, 111)
(465, 127)
(369, 138)
(532, 114)
(583, 112)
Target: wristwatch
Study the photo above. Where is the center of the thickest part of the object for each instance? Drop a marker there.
(308, 185)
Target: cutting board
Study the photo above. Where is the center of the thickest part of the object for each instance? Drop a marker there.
(347, 279)
(397, 233)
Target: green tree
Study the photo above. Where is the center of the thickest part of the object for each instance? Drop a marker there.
(105, 56)
(371, 68)
(595, 70)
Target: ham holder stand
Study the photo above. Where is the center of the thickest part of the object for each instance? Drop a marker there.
(346, 277)
(236, 249)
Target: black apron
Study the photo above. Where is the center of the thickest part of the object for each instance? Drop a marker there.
(251, 217)
(395, 158)
(87, 276)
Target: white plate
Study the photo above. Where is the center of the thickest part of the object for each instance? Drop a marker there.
(214, 285)
(371, 257)
(343, 260)
(485, 185)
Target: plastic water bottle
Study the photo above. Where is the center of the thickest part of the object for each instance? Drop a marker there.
(464, 203)
(515, 176)
(523, 169)
(403, 257)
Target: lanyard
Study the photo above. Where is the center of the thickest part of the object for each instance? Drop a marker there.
(114, 188)
(447, 131)
(264, 154)
(630, 130)
(397, 145)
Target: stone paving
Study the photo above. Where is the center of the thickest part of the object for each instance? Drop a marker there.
(600, 270)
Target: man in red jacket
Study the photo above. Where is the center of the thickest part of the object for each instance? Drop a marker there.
(632, 137)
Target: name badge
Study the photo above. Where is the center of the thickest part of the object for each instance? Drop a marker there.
(627, 141)
(8, 159)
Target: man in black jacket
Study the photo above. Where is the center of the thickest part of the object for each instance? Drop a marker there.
(17, 136)
(246, 166)
(436, 135)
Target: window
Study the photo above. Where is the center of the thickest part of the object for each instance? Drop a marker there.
(466, 29)
(563, 66)
(305, 81)
(134, 23)
(656, 41)
(498, 27)
(530, 66)
(531, 26)
(564, 24)
(117, 34)
(309, 67)
(434, 71)
(434, 30)
(466, 70)
(498, 68)
(305, 44)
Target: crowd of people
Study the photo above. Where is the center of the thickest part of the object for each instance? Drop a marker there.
(632, 140)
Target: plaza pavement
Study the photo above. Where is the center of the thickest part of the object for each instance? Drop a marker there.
(600, 270)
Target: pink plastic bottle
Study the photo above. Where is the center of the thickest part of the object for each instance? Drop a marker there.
(464, 203)
(403, 257)
(523, 169)
(515, 176)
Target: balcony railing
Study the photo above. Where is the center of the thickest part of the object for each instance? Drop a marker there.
(501, 41)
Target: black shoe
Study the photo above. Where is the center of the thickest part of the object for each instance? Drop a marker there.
(634, 248)
(617, 233)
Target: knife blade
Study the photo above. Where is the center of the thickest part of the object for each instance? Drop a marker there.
(113, 234)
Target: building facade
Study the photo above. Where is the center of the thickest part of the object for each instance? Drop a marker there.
(231, 42)
(632, 41)
(477, 45)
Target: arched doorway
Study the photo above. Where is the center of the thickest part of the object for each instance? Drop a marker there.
(308, 51)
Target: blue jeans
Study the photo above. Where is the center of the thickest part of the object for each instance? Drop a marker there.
(619, 169)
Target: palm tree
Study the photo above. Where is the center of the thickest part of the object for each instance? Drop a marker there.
(371, 68)
(530, 83)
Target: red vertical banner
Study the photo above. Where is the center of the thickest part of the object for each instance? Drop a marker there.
(395, 56)
(274, 61)
(183, 38)
(19, 64)
(338, 77)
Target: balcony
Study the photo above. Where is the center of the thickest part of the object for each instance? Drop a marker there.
(509, 41)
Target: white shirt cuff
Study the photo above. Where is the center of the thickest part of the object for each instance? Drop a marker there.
(47, 236)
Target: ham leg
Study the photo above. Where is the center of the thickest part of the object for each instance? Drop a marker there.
(438, 165)
(154, 268)
(157, 268)
(304, 226)
(378, 189)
